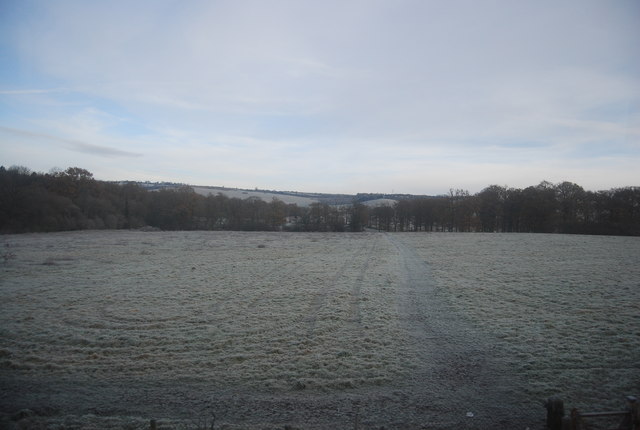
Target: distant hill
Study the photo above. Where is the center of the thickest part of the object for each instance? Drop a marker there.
(379, 202)
(305, 199)
(298, 198)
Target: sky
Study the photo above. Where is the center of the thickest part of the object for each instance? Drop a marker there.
(336, 96)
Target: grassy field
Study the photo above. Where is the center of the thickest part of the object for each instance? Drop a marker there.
(566, 307)
(104, 328)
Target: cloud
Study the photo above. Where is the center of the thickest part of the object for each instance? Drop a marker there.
(88, 148)
(364, 90)
(73, 145)
(32, 91)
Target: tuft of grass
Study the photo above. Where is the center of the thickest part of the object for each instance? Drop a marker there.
(49, 262)
(7, 255)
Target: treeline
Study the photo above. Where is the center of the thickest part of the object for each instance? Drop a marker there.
(545, 208)
(73, 199)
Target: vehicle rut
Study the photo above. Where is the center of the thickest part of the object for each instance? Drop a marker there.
(463, 380)
(319, 299)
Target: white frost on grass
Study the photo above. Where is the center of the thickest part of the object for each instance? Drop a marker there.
(262, 195)
(265, 311)
(284, 312)
(567, 307)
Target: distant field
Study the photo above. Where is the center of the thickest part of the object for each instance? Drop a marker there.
(315, 330)
(263, 195)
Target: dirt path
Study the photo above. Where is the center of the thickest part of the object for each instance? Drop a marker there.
(462, 372)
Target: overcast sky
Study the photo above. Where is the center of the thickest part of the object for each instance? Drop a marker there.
(408, 96)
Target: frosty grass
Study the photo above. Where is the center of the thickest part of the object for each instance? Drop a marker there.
(279, 312)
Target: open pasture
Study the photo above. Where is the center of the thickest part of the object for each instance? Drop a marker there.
(315, 330)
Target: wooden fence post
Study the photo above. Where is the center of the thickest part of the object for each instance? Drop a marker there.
(634, 412)
(154, 425)
(555, 412)
(576, 420)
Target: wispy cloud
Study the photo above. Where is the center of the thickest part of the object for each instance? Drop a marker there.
(33, 91)
(73, 145)
(89, 148)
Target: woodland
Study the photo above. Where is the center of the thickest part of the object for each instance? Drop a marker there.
(73, 200)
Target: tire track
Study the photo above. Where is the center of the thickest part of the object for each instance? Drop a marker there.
(460, 369)
(354, 315)
(319, 299)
